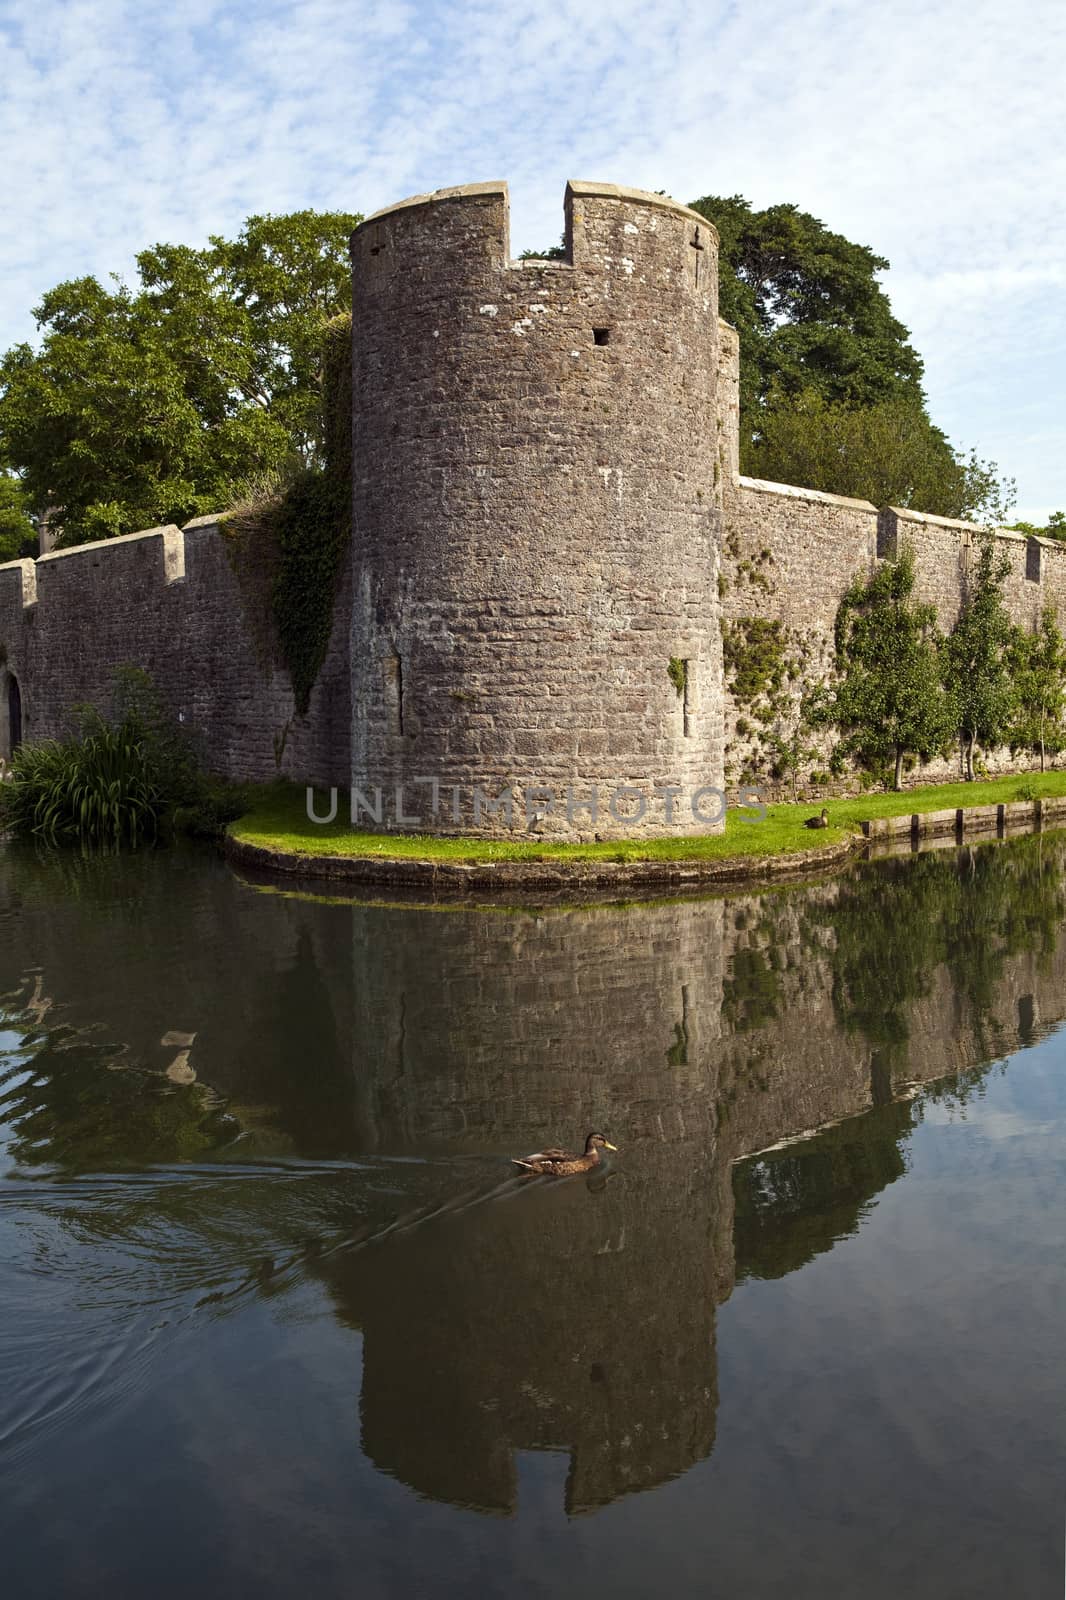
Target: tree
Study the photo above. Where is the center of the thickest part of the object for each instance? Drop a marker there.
(1036, 663)
(889, 453)
(791, 751)
(152, 406)
(808, 308)
(976, 660)
(819, 342)
(889, 700)
(1055, 528)
(18, 536)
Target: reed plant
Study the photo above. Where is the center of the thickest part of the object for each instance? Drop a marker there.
(119, 780)
(98, 788)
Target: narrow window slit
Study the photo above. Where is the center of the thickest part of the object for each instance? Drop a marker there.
(393, 685)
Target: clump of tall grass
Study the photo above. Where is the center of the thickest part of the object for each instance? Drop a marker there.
(99, 788)
(118, 781)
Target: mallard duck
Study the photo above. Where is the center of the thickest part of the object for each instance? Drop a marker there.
(561, 1163)
(820, 821)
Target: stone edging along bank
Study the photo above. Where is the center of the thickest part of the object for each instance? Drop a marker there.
(1016, 816)
(408, 872)
(460, 877)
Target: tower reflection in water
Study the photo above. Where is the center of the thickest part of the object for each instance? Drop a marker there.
(574, 1316)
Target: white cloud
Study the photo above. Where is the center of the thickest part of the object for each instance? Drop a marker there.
(930, 135)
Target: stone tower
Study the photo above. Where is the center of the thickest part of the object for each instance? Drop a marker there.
(536, 515)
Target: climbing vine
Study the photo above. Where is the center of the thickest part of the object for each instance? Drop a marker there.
(754, 652)
(288, 545)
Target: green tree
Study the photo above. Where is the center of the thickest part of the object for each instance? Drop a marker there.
(18, 536)
(792, 750)
(1055, 527)
(809, 309)
(1036, 663)
(152, 406)
(976, 660)
(889, 700)
(889, 453)
(818, 342)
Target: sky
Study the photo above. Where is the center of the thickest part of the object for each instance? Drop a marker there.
(931, 132)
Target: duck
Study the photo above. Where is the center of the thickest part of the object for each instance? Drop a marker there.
(820, 821)
(562, 1163)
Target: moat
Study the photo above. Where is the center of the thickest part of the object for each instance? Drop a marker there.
(277, 1319)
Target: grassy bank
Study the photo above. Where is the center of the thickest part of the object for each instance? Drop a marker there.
(278, 821)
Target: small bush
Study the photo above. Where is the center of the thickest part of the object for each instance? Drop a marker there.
(99, 788)
(121, 781)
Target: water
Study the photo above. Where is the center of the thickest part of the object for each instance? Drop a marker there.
(277, 1319)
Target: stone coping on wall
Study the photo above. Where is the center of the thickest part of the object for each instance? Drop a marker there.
(931, 520)
(464, 877)
(791, 491)
(583, 189)
(171, 540)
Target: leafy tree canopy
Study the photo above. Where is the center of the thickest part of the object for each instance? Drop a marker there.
(978, 657)
(889, 453)
(818, 344)
(154, 405)
(809, 309)
(889, 701)
(18, 536)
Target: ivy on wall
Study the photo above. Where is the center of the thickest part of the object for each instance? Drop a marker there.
(754, 654)
(288, 544)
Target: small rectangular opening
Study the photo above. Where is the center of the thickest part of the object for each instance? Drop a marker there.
(689, 702)
(1032, 561)
(392, 667)
(601, 335)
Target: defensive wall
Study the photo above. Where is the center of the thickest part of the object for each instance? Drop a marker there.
(788, 557)
(551, 540)
(169, 601)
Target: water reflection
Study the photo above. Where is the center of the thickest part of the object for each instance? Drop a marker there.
(213, 1093)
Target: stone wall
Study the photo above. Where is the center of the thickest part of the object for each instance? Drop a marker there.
(789, 554)
(169, 601)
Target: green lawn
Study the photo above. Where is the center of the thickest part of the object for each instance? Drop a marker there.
(278, 821)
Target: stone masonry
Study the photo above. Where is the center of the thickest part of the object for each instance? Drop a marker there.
(536, 523)
(550, 536)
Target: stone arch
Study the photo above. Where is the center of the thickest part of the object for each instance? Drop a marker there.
(11, 717)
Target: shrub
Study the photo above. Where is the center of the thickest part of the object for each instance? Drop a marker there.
(119, 781)
(99, 788)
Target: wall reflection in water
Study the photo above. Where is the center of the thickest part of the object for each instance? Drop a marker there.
(576, 1316)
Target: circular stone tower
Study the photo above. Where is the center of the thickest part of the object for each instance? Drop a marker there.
(536, 644)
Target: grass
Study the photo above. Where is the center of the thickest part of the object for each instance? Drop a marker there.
(278, 821)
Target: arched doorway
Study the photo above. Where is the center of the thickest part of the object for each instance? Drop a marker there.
(10, 716)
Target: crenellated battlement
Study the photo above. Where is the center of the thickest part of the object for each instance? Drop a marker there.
(478, 214)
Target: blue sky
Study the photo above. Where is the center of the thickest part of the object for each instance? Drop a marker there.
(931, 132)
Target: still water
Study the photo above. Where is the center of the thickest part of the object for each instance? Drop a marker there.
(275, 1318)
